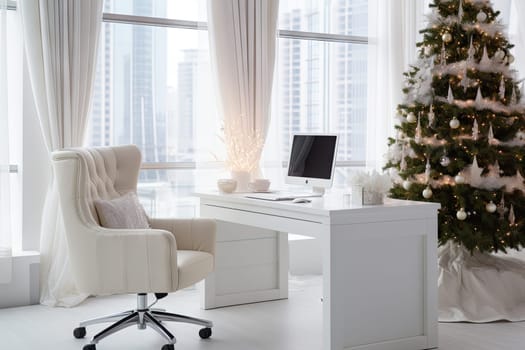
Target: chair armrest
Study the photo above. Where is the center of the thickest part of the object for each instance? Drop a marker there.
(136, 261)
(191, 234)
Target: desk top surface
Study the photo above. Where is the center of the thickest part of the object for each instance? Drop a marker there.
(332, 203)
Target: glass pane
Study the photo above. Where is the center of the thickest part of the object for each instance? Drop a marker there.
(321, 87)
(349, 17)
(194, 10)
(153, 89)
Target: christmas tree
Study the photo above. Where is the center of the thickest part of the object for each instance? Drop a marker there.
(461, 133)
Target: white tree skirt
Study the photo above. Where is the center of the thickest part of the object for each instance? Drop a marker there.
(480, 287)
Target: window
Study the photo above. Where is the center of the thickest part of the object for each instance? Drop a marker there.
(153, 89)
(14, 64)
(321, 76)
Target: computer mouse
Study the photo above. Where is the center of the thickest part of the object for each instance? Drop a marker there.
(301, 200)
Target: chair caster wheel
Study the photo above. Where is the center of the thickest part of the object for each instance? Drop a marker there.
(89, 347)
(168, 347)
(79, 332)
(205, 333)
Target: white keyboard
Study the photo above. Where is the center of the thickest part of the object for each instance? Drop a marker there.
(282, 195)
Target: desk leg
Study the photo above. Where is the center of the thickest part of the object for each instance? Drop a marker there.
(251, 265)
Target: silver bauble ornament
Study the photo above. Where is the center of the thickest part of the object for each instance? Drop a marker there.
(499, 55)
(447, 37)
(461, 214)
(481, 16)
(411, 117)
(491, 207)
(406, 185)
(459, 179)
(454, 123)
(427, 192)
(510, 59)
(444, 161)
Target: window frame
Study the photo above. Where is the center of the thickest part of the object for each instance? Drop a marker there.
(110, 17)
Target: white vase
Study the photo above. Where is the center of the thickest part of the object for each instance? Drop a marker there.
(243, 180)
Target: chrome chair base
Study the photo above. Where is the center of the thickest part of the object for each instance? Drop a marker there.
(143, 316)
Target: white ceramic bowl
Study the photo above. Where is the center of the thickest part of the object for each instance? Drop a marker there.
(226, 185)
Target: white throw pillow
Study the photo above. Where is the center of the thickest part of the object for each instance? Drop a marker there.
(122, 212)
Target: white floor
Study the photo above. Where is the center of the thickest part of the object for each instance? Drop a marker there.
(286, 324)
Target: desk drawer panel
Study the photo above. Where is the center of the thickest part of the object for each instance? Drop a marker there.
(227, 231)
(247, 279)
(239, 254)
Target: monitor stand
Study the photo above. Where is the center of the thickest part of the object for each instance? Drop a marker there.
(318, 191)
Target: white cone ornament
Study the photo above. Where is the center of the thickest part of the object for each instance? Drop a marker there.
(461, 214)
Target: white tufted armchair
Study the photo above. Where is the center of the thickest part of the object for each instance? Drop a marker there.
(173, 254)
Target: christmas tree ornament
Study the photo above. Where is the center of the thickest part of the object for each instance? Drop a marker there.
(431, 117)
(475, 130)
(427, 50)
(490, 136)
(501, 91)
(475, 172)
(459, 179)
(454, 123)
(499, 55)
(411, 117)
(443, 56)
(447, 37)
(461, 214)
(460, 11)
(510, 59)
(450, 96)
(520, 135)
(403, 164)
(427, 170)
(471, 52)
(490, 207)
(479, 97)
(444, 160)
(407, 184)
(481, 16)
(512, 216)
(501, 209)
(513, 97)
(485, 61)
(465, 81)
(417, 136)
(427, 192)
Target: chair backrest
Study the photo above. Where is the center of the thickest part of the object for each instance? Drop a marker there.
(83, 175)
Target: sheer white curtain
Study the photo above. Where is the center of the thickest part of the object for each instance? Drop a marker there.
(5, 188)
(243, 35)
(61, 43)
(393, 27)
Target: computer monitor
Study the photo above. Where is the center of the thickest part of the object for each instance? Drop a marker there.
(312, 161)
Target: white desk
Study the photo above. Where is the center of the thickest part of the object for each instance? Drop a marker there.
(379, 265)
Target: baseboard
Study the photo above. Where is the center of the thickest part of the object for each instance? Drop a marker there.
(24, 287)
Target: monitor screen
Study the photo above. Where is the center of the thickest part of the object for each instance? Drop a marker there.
(312, 156)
